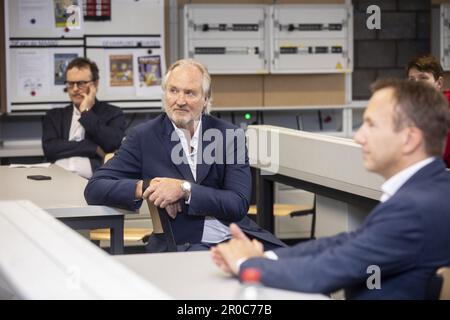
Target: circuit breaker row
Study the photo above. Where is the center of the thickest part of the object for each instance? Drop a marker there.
(244, 39)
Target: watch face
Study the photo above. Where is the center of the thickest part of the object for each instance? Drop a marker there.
(186, 186)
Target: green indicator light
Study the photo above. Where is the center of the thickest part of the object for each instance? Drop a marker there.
(248, 116)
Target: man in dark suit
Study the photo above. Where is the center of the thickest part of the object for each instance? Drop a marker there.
(403, 241)
(78, 136)
(196, 164)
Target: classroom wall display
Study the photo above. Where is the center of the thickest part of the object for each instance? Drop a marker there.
(43, 36)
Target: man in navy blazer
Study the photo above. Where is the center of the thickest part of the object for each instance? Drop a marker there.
(403, 241)
(196, 167)
(78, 136)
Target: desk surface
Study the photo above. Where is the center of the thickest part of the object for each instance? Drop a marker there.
(192, 275)
(332, 162)
(62, 196)
(65, 190)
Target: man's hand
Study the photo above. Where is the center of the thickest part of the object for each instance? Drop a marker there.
(226, 255)
(173, 209)
(138, 194)
(164, 191)
(89, 99)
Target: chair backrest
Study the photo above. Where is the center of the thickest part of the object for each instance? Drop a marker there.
(154, 215)
(108, 157)
(161, 225)
(160, 219)
(444, 274)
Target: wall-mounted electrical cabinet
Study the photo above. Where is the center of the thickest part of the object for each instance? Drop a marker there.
(444, 36)
(228, 39)
(243, 39)
(311, 38)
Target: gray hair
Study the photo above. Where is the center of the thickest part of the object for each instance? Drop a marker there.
(206, 83)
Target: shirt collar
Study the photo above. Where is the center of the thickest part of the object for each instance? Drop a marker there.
(76, 111)
(391, 186)
(194, 139)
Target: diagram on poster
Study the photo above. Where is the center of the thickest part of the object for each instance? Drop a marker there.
(31, 80)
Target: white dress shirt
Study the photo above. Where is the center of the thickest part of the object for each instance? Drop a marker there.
(213, 230)
(79, 165)
(391, 186)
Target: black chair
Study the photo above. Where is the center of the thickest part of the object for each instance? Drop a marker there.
(292, 210)
(311, 211)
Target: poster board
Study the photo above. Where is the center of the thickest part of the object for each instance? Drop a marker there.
(39, 46)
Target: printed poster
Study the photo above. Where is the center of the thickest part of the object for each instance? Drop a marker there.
(61, 61)
(121, 70)
(67, 14)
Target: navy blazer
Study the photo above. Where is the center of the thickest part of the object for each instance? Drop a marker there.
(104, 125)
(408, 237)
(222, 189)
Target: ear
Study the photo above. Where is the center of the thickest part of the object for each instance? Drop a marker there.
(412, 140)
(440, 83)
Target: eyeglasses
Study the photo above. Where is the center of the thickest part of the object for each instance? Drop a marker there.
(80, 84)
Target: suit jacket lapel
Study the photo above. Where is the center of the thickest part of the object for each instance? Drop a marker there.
(171, 143)
(202, 167)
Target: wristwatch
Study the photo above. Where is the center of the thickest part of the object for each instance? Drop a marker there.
(186, 188)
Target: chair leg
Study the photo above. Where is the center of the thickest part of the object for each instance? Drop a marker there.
(313, 222)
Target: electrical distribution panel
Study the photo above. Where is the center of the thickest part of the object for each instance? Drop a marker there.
(228, 39)
(311, 38)
(444, 41)
(234, 39)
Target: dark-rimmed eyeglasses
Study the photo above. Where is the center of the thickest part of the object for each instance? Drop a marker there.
(80, 84)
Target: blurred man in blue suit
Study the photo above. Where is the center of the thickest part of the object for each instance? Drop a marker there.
(404, 239)
(186, 162)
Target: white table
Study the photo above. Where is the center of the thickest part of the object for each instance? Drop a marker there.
(330, 167)
(63, 198)
(41, 258)
(192, 275)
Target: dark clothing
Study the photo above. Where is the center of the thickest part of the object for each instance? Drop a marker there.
(407, 238)
(222, 188)
(104, 125)
(447, 146)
